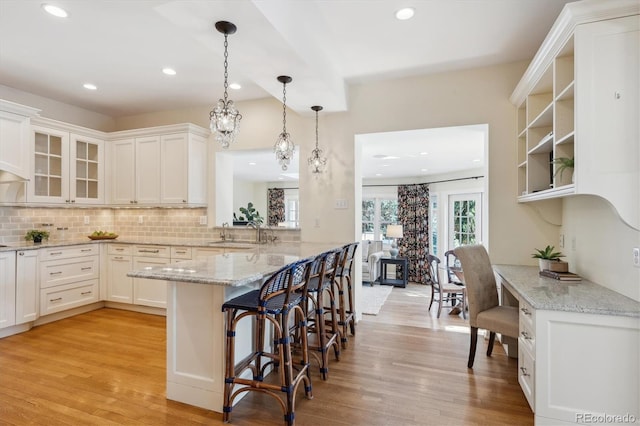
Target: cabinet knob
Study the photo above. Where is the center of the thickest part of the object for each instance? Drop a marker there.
(524, 371)
(66, 201)
(21, 253)
(73, 201)
(525, 311)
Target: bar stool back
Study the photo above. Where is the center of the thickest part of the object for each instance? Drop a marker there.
(346, 296)
(323, 320)
(278, 299)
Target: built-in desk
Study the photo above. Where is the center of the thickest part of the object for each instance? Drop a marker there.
(578, 348)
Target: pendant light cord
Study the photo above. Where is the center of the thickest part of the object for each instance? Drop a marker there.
(316, 130)
(226, 65)
(284, 108)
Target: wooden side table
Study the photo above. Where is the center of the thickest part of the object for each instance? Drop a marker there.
(402, 262)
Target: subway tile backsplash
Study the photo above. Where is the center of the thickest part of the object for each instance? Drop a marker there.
(69, 223)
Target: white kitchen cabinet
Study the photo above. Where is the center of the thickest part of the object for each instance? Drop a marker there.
(15, 136)
(608, 77)
(184, 173)
(27, 287)
(69, 277)
(579, 99)
(68, 166)
(7, 288)
(159, 166)
(150, 292)
(119, 264)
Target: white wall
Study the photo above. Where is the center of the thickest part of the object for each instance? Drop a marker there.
(603, 244)
(245, 192)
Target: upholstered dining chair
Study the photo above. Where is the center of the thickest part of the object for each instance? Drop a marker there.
(445, 292)
(485, 310)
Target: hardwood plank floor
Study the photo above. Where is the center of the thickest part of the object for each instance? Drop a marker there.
(405, 367)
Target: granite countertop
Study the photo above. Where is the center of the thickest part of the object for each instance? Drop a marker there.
(236, 269)
(570, 296)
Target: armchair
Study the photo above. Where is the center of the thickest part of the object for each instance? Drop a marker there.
(371, 254)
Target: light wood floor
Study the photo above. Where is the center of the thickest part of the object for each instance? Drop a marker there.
(405, 367)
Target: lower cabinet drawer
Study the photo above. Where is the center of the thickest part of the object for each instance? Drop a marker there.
(526, 375)
(63, 297)
(58, 272)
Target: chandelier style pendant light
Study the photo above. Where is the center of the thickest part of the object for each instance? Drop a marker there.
(225, 118)
(284, 147)
(317, 162)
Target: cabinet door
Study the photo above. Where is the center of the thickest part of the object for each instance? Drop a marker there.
(148, 170)
(123, 171)
(15, 145)
(27, 295)
(7, 289)
(175, 168)
(608, 107)
(119, 285)
(87, 170)
(50, 183)
(149, 292)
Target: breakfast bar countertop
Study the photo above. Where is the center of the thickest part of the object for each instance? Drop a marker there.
(236, 268)
(570, 296)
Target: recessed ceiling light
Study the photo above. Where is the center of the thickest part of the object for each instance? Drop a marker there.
(405, 13)
(424, 170)
(378, 174)
(385, 165)
(90, 86)
(424, 153)
(169, 71)
(251, 163)
(235, 86)
(280, 178)
(55, 10)
(476, 160)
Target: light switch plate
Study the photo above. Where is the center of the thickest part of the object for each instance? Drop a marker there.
(341, 203)
(636, 257)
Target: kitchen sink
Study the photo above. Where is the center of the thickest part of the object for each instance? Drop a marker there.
(231, 244)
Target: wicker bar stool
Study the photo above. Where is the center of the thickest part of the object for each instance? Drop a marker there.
(323, 320)
(346, 297)
(275, 303)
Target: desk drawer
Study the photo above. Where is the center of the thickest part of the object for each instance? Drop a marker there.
(526, 375)
(66, 271)
(181, 253)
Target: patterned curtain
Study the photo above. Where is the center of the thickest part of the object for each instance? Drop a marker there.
(275, 206)
(413, 215)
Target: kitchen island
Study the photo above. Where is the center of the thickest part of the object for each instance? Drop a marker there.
(195, 322)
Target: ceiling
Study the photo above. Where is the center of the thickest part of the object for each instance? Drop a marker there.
(121, 46)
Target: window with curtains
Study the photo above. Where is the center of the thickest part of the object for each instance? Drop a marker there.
(292, 211)
(377, 213)
(434, 224)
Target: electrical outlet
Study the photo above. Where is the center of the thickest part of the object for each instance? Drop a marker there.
(561, 240)
(203, 220)
(317, 223)
(573, 243)
(636, 257)
(86, 220)
(140, 219)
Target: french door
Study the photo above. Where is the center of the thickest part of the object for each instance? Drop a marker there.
(465, 219)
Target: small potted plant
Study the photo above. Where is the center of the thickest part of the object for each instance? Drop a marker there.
(550, 260)
(36, 235)
(249, 215)
(563, 163)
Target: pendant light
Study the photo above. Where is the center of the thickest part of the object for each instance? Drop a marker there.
(317, 162)
(225, 118)
(284, 147)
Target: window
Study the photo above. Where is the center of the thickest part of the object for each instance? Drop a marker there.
(291, 210)
(377, 213)
(464, 220)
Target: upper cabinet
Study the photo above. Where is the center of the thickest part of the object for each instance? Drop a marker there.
(579, 100)
(15, 145)
(159, 166)
(68, 164)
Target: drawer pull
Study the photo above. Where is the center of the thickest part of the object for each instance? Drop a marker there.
(21, 253)
(55, 253)
(149, 251)
(119, 249)
(55, 273)
(181, 252)
(118, 258)
(524, 371)
(525, 311)
(55, 300)
(88, 268)
(525, 335)
(84, 293)
(85, 250)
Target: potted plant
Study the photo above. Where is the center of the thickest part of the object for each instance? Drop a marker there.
(36, 235)
(248, 215)
(563, 163)
(550, 260)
